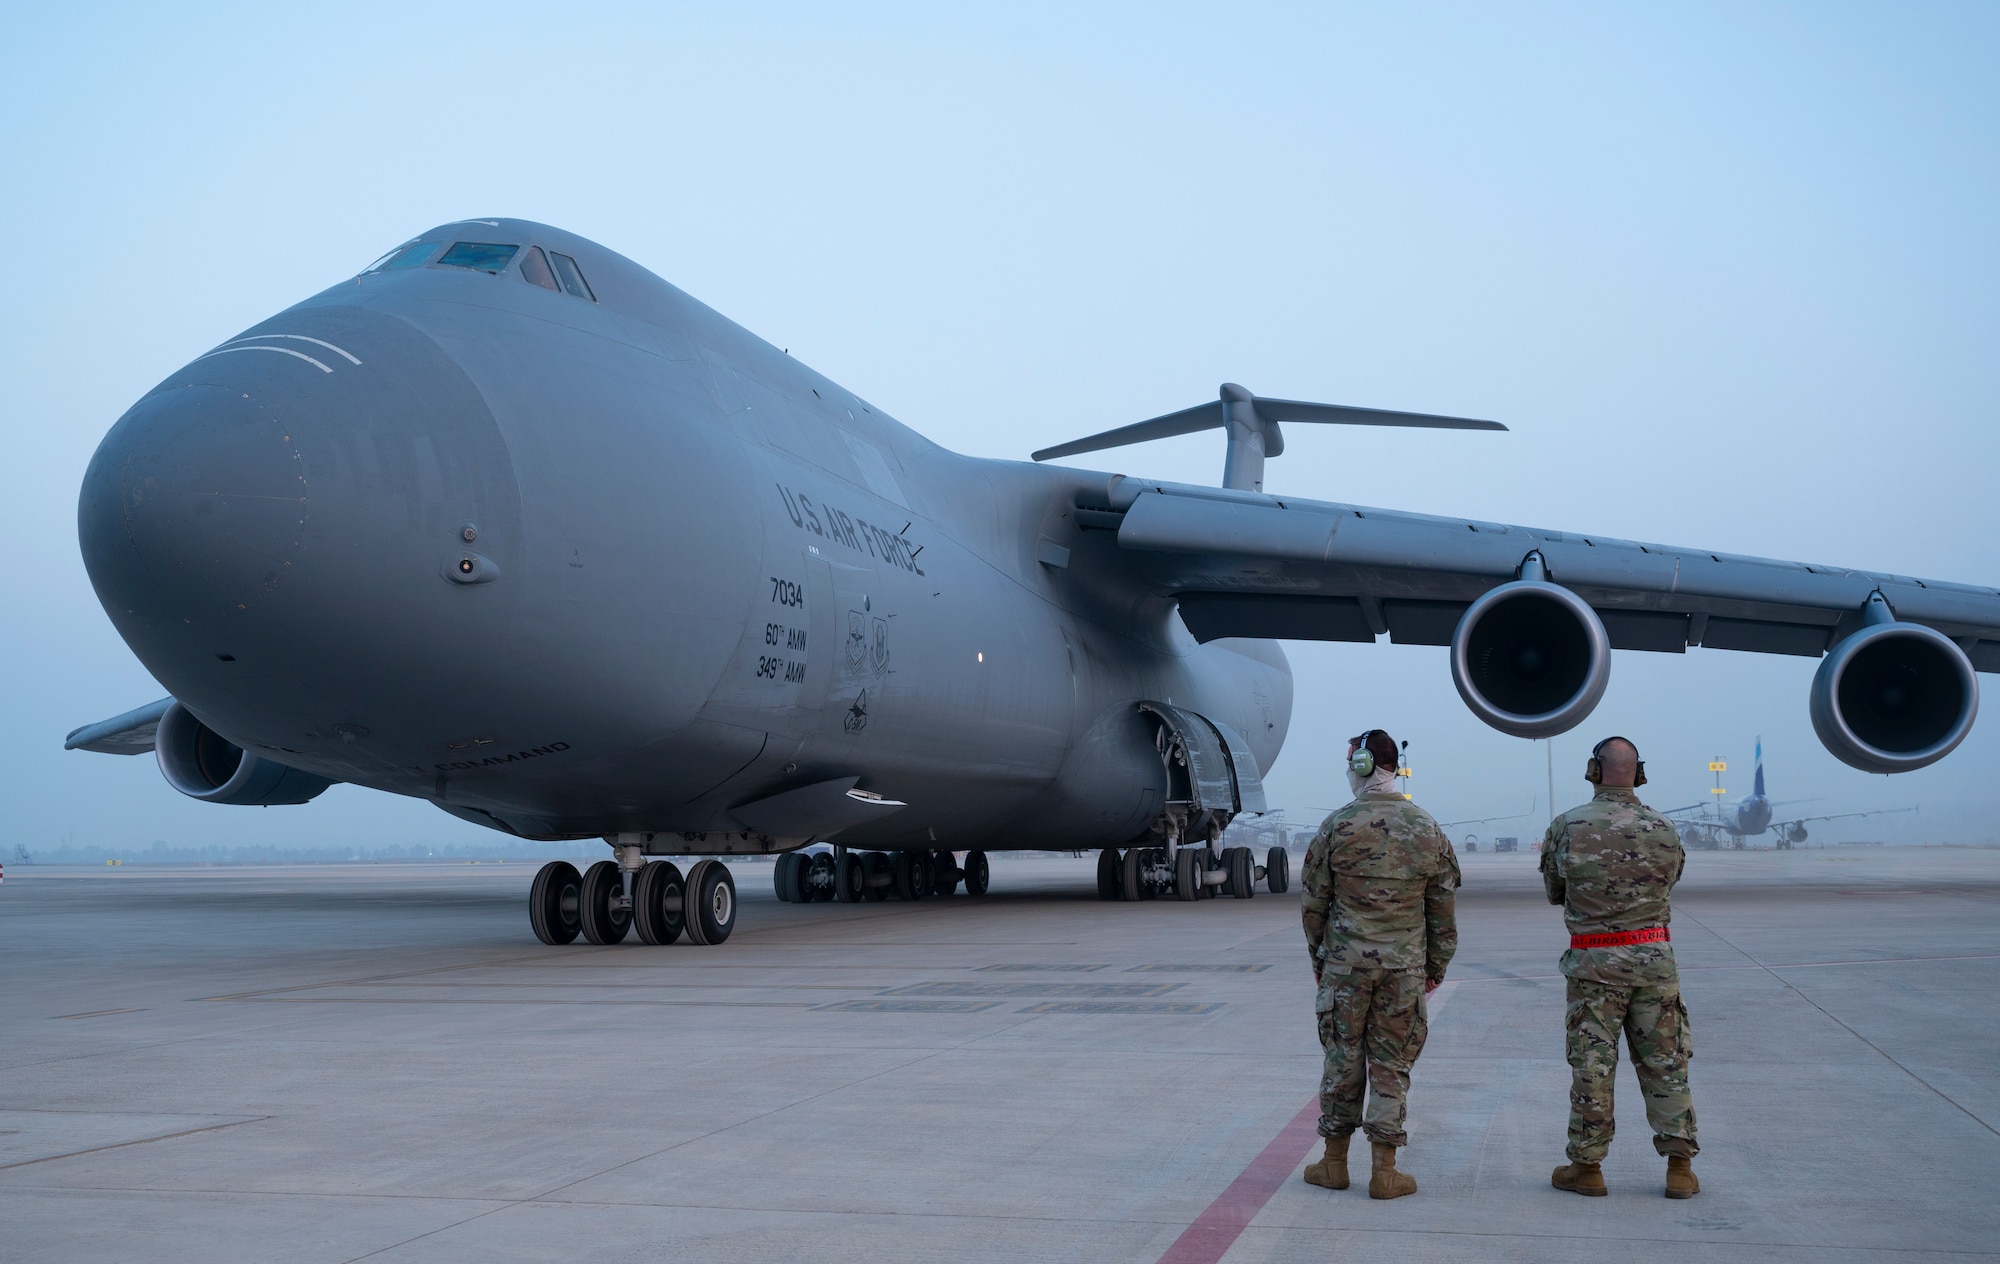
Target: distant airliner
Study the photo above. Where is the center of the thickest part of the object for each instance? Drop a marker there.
(510, 524)
(1708, 825)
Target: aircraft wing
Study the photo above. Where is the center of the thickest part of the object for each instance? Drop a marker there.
(127, 734)
(1837, 816)
(1244, 563)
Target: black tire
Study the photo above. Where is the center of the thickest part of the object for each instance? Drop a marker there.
(659, 903)
(1187, 874)
(850, 879)
(944, 873)
(877, 866)
(1110, 871)
(1128, 874)
(913, 874)
(977, 873)
(1242, 873)
(711, 907)
(1278, 870)
(784, 884)
(603, 922)
(553, 902)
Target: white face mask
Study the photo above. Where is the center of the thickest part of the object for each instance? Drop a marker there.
(1381, 781)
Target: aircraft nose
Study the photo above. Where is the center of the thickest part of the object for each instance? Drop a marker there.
(195, 504)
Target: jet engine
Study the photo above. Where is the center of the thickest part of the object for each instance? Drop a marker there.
(203, 764)
(1531, 658)
(1893, 697)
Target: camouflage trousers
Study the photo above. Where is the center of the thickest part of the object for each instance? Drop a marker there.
(1655, 1025)
(1372, 1026)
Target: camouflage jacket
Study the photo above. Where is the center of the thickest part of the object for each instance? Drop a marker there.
(1379, 879)
(1612, 864)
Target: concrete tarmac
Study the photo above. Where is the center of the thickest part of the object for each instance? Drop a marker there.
(380, 1062)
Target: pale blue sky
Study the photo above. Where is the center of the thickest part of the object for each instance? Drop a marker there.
(1728, 271)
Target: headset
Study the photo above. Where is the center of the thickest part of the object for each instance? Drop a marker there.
(1362, 761)
(1593, 770)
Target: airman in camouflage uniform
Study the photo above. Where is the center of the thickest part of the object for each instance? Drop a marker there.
(1612, 865)
(1379, 879)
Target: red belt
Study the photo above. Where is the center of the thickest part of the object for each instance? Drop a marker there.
(1622, 938)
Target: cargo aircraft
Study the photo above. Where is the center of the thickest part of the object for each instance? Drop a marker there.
(508, 523)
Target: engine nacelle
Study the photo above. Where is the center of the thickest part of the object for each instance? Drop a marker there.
(1531, 658)
(203, 764)
(1894, 696)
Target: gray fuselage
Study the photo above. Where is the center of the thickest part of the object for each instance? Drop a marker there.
(574, 566)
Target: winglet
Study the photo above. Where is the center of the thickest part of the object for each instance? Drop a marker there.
(1252, 424)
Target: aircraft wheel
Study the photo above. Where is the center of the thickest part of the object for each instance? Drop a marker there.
(912, 870)
(1278, 870)
(877, 866)
(711, 913)
(603, 922)
(850, 879)
(945, 874)
(553, 902)
(785, 878)
(977, 873)
(1129, 884)
(1187, 874)
(1110, 874)
(819, 877)
(1242, 873)
(659, 903)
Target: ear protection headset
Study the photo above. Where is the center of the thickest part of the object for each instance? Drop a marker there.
(1362, 761)
(1593, 770)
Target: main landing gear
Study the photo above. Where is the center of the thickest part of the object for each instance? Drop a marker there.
(613, 897)
(851, 876)
(1190, 873)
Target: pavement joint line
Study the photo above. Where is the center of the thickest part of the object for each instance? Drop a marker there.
(121, 1145)
(1755, 964)
(713, 1132)
(100, 1013)
(1886, 1056)
(906, 1214)
(375, 978)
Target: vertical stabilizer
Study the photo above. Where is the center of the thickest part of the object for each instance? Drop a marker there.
(1757, 791)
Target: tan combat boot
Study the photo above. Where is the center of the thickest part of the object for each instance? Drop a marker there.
(1385, 1181)
(1330, 1172)
(1680, 1177)
(1580, 1178)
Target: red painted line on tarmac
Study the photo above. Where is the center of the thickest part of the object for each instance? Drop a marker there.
(1215, 1230)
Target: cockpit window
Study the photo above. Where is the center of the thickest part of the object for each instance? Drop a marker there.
(482, 256)
(414, 255)
(535, 269)
(572, 276)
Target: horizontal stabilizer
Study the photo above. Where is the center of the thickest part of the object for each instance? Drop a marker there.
(128, 734)
(1252, 423)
